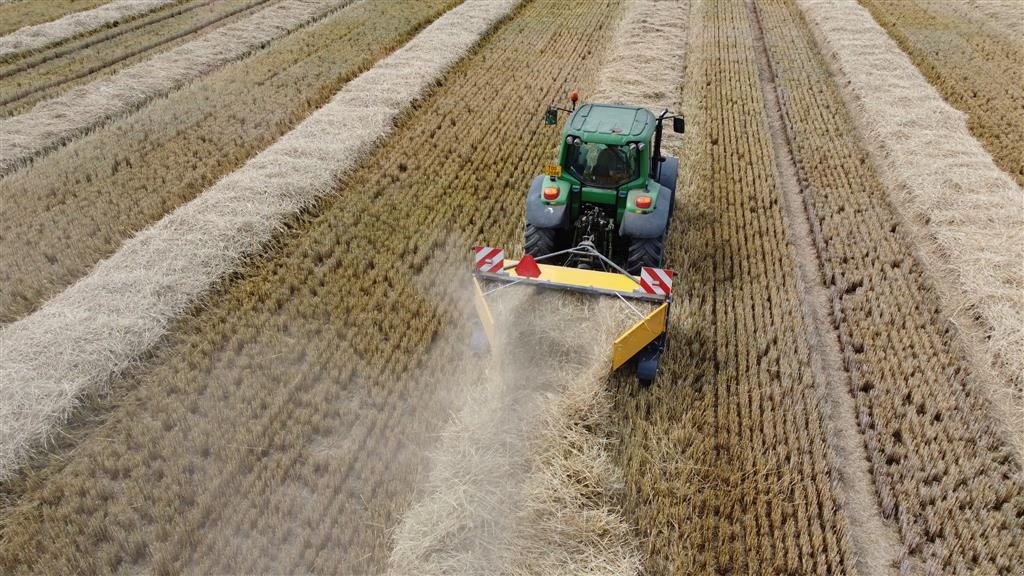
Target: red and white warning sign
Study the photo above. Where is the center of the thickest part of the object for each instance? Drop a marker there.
(489, 259)
(656, 281)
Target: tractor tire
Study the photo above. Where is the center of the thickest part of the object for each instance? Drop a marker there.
(667, 177)
(645, 252)
(669, 173)
(539, 242)
(647, 363)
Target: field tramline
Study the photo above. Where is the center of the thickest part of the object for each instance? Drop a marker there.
(922, 416)
(963, 213)
(728, 467)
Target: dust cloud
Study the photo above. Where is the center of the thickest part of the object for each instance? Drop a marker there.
(519, 481)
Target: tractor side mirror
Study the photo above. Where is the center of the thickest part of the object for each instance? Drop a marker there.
(551, 116)
(678, 125)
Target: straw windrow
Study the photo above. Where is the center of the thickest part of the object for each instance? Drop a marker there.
(522, 481)
(967, 215)
(39, 36)
(52, 123)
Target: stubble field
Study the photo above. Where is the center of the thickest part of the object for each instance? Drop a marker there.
(820, 409)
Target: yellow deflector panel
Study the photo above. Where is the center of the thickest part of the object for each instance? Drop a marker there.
(640, 335)
(578, 277)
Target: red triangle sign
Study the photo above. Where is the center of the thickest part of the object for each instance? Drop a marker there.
(527, 267)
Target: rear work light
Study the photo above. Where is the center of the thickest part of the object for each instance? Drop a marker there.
(644, 202)
(551, 193)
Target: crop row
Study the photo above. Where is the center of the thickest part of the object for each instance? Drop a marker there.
(67, 211)
(59, 120)
(39, 36)
(14, 15)
(727, 466)
(24, 84)
(285, 414)
(975, 67)
(963, 213)
(943, 472)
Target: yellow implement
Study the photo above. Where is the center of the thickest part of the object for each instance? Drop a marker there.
(645, 340)
(587, 280)
(640, 335)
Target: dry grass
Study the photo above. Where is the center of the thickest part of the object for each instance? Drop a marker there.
(966, 215)
(71, 209)
(28, 60)
(726, 461)
(54, 122)
(975, 66)
(570, 521)
(17, 14)
(42, 35)
(105, 321)
(27, 81)
(933, 446)
(521, 481)
(875, 543)
(280, 428)
(647, 74)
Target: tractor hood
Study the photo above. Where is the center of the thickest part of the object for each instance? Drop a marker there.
(609, 124)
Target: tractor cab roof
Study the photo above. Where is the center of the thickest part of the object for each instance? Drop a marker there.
(610, 124)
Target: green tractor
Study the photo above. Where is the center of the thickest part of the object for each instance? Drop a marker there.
(612, 190)
(596, 224)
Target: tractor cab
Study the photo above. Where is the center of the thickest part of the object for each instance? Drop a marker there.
(607, 146)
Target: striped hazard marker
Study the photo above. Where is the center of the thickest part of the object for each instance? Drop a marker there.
(656, 281)
(488, 259)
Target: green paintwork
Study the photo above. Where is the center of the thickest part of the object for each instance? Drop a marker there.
(606, 124)
(614, 125)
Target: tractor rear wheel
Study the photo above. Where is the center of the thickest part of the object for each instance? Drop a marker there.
(645, 252)
(647, 363)
(539, 242)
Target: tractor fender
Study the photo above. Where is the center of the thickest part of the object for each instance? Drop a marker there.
(540, 214)
(669, 173)
(651, 224)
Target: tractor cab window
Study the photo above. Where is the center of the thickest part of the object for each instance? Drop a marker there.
(602, 165)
